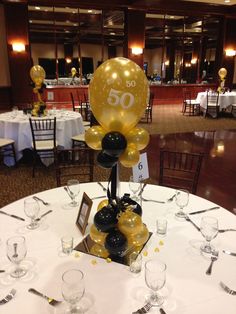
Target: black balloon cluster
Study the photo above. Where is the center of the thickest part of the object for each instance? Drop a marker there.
(106, 220)
(113, 145)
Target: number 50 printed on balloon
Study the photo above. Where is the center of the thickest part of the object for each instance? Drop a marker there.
(119, 93)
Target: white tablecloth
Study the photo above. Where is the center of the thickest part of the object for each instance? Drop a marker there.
(18, 129)
(225, 100)
(110, 287)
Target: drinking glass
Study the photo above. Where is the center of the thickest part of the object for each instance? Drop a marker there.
(31, 208)
(14, 111)
(73, 289)
(73, 188)
(209, 230)
(181, 200)
(134, 187)
(155, 278)
(16, 252)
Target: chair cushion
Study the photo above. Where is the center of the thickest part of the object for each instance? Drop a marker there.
(44, 145)
(5, 142)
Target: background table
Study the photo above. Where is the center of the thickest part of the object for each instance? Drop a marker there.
(111, 287)
(69, 123)
(225, 100)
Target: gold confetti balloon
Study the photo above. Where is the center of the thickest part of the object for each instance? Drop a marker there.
(99, 250)
(97, 236)
(129, 223)
(139, 238)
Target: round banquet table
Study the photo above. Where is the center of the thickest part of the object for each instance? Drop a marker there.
(111, 287)
(69, 123)
(225, 100)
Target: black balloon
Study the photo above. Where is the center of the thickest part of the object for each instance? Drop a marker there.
(114, 143)
(116, 243)
(105, 219)
(105, 160)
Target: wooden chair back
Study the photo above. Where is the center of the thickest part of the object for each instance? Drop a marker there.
(180, 170)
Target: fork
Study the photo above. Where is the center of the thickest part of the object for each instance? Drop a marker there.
(8, 297)
(143, 309)
(51, 301)
(154, 201)
(39, 199)
(214, 258)
(227, 289)
(102, 186)
(172, 197)
(224, 230)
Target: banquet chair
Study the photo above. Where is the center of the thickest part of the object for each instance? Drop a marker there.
(7, 149)
(212, 108)
(190, 105)
(148, 111)
(74, 106)
(233, 110)
(180, 170)
(79, 140)
(44, 139)
(75, 163)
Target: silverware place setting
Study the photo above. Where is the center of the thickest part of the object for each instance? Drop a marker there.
(226, 230)
(43, 215)
(8, 297)
(214, 258)
(102, 186)
(227, 289)
(41, 200)
(193, 223)
(97, 197)
(146, 309)
(229, 252)
(203, 211)
(151, 200)
(10, 215)
(51, 301)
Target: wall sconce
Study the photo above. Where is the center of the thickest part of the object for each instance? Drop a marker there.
(68, 60)
(194, 61)
(230, 52)
(18, 47)
(167, 62)
(187, 65)
(136, 51)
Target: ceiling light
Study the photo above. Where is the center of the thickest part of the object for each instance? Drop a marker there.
(90, 11)
(227, 1)
(137, 50)
(37, 8)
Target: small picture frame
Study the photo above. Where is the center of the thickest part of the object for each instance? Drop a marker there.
(84, 211)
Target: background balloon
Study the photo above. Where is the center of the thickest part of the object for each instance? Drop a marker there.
(94, 136)
(37, 74)
(139, 137)
(106, 161)
(119, 93)
(130, 157)
(114, 143)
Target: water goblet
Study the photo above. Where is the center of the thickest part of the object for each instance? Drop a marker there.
(155, 278)
(14, 111)
(73, 188)
(73, 289)
(209, 230)
(134, 187)
(16, 252)
(181, 200)
(31, 208)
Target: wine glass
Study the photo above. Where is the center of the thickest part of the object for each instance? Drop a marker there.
(181, 200)
(209, 230)
(73, 289)
(16, 252)
(155, 278)
(31, 208)
(73, 188)
(134, 187)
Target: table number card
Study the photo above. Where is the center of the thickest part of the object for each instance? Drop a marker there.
(141, 171)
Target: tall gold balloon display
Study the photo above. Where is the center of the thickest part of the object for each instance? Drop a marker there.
(37, 75)
(118, 93)
(222, 74)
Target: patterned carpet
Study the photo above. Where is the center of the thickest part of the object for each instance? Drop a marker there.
(18, 182)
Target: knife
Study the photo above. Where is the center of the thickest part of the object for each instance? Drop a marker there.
(228, 252)
(193, 223)
(204, 210)
(97, 197)
(13, 216)
(162, 311)
(2, 271)
(102, 186)
(141, 191)
(49, 211)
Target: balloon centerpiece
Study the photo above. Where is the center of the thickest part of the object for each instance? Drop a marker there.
(37, 75)
(222, 74)
(118, 93)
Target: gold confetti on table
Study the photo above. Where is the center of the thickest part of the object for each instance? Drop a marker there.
(77, 254)
(93, 262)
(108, 260)
(145, 253)
(156, 250)
(161, 242)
